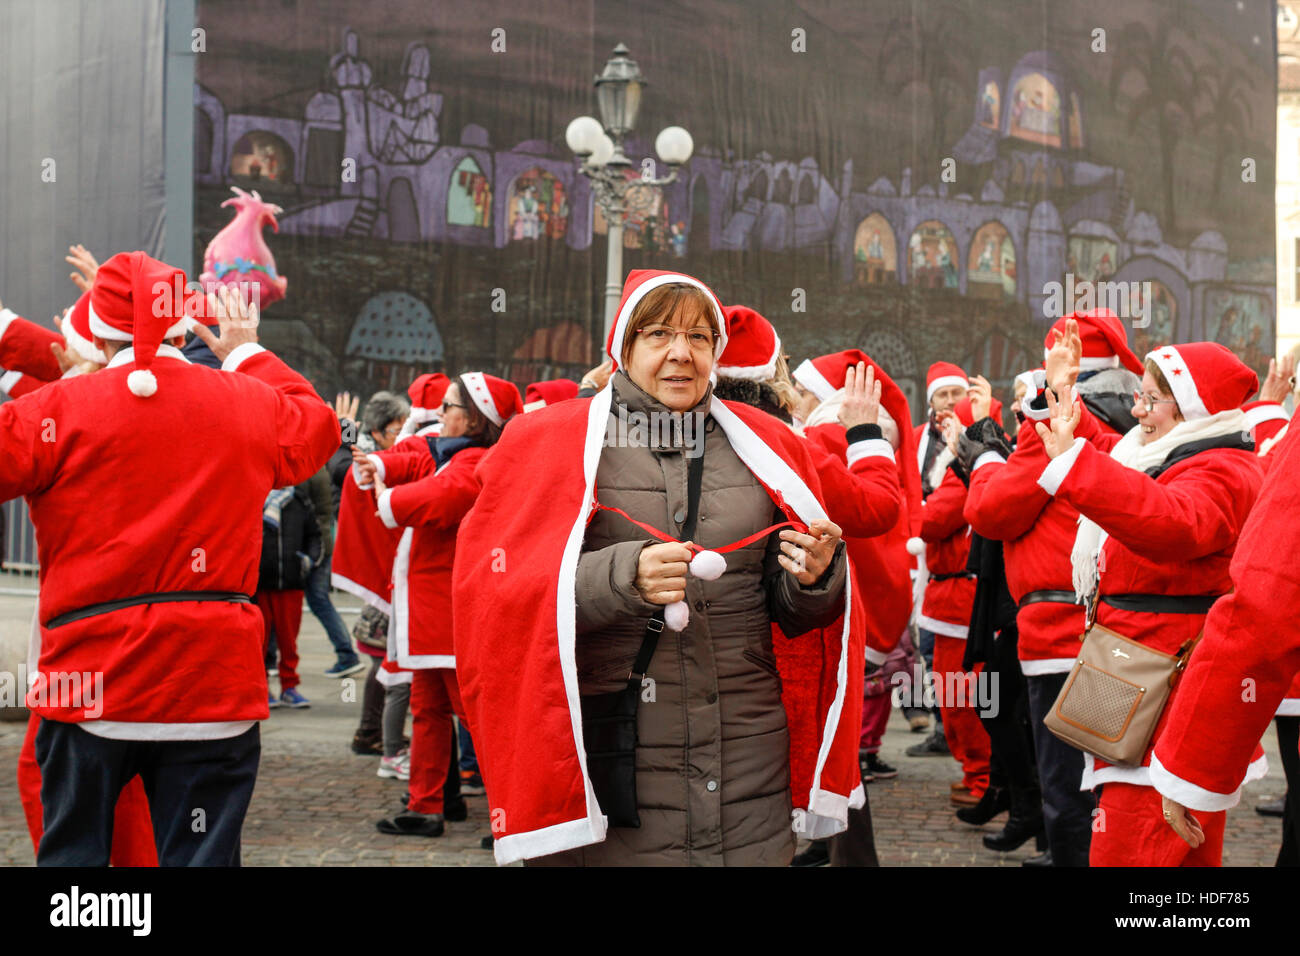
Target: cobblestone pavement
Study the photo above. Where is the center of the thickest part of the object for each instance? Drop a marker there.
(316, 802)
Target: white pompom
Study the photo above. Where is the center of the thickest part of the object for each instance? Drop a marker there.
(915, 546)
(708, 565)
(677, 615)
(142, 382)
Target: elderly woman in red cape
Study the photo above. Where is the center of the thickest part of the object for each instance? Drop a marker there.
(746, 732)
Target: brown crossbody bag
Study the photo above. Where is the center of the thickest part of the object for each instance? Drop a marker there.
(1118, 688)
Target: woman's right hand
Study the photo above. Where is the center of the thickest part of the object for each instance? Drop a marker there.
(366, 470)
(661, 572)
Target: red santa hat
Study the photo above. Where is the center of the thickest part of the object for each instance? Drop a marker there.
(752, 346)
(496, 398)
(133, 301)
(426, 394)
(76, 332)
(966, 414)
(1205, 377)
(550, 392)
(642, 281)
(943, 374)
(1105, 341)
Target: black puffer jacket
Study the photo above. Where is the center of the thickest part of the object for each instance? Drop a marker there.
(290, 551)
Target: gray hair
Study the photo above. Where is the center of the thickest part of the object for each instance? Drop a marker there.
(383, 409)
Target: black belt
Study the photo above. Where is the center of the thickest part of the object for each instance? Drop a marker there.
(949, 577)
(1162, 603)
(1048, 597)
(166, 597)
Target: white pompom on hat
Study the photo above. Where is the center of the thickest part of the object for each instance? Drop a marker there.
(135, 299)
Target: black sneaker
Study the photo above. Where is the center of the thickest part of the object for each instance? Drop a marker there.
(878, 768)
(455, 811)
(487, 843)
(933, 746)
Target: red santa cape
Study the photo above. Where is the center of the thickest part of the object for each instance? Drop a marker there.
(514, 603)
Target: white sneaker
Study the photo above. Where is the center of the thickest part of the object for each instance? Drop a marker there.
(398, 767)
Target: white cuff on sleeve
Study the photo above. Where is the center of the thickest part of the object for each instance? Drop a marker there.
(8, 380)
(987, 459)
(379, 466)
(1059, 467)
(240, 353)
(6, 316)
(386, 509)
(870, 448)
(1189, 794)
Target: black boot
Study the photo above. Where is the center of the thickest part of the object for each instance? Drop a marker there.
(995, 800)
(1025, 821)
(1042, 859)
(817, 854)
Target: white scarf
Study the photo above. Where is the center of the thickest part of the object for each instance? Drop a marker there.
(1131, 453)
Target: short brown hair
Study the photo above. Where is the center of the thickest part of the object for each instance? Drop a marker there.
(660, 304)
(479, 425)
(1162, 383)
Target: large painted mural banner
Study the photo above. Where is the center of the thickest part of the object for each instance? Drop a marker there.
(923, 180)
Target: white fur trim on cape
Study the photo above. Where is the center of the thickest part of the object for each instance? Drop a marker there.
(1047, 665)
(876, 657)
(240, 353)
(943, 381)
(1194, 797)
(399, 626)
(672, 278)
(940, 465)
(367, 595)
(946, 628)
(923, 445)
(144, 730)
(987, 458)
(869, 448)
(1268, 446)
(1290, 707)
(8, 380)
(386, 509)
(6, 316)
(388, 678)
(810, 378)
(1183, 384)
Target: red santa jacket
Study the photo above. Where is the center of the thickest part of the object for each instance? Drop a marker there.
(429, 505)
(1270, 421)
(865, 498)
(133, 496)
(1006, 504)
(1248, 657)
(15, 384)
(1171, 535)
(950, 593)
(25, 347)
(515, 617)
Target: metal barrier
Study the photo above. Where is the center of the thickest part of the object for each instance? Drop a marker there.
(19, 538)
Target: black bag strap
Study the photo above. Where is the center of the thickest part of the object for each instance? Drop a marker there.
(655, 626)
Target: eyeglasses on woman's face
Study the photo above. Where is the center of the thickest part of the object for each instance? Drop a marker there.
(446, 405)
(661, 337)
(1150, 402)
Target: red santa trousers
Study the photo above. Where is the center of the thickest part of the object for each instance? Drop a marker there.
(282, 613)
(875, 717)
(435, 696)
(955, 691)
(133, 843)
(1129, 829)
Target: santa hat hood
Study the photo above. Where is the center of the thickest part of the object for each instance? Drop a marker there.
(753, 346)
(638, 284)
(1105, 341)
(76, 332)
(550, 392)
(496, 398)
(133, 300)
(1205, 377)
(943, 374)
(966, 414)
(426, 394)
(825, 375)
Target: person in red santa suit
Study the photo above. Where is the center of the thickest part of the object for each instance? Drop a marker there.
(1240, 673)
(1161, 514)
(430, 495)
(719, 532)
(540, 394)
(948, 601)
(1004, 503)
(159, 620)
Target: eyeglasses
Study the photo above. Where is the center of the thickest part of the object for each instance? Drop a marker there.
(393, 429)
(660, 337)
(446, 405)
(1150, 403)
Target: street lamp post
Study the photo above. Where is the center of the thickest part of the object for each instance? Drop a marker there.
(598, 145)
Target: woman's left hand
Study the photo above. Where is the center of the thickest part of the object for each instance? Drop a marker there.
(1065, 419)
(861, 405)
(1183, 823)
(807, 556)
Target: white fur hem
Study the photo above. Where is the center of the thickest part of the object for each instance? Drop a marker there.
(876, 657)
(367, 595)
(548, 840)
(8, 380)
(1271, 412)
(386, 509)
(1049, 665)
(1194, 797)
(946, 628)
(1290, 707)
(988, 458)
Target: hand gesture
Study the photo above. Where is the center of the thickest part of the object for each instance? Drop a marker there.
(66, 357)
(346, 406)
(1063, 358)
(981, 398)
(237, 321)
(1280, 381)
(1065, 419)
(807, 556)
(598, 376)
(86, 265)
(661, 572)
(366, 471)
(952, 429)
(1184, 824)
(861, 405)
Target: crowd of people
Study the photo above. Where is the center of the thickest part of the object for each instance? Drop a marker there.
(662, 615)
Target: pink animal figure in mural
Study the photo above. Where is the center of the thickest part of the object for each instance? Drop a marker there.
(238, 255)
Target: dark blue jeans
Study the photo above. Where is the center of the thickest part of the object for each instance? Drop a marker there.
(318, 599)
(1067, 810)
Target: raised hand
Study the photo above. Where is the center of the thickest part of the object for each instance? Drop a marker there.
(599, 375)
(1063, 358)
(981, 398)
(861, 405)
(1280, 380)
(237, 321)
(86, 265)
(346, 406)
(1064, 419)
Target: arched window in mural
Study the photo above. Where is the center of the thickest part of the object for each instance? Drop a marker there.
(991, 269)
(1090, 258)
(757, 188)
(1058, 177)
(990, 105)
(932, 253)
(1076, 123)
(1035, 110)
(783, 188)
(1018, 172)
(1038, 176)
(538, 206)
(807, 190)
(875, 253)
(469, 198)
(1162, 319)
(261, 156)
(647, 214)
(1243, 321)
